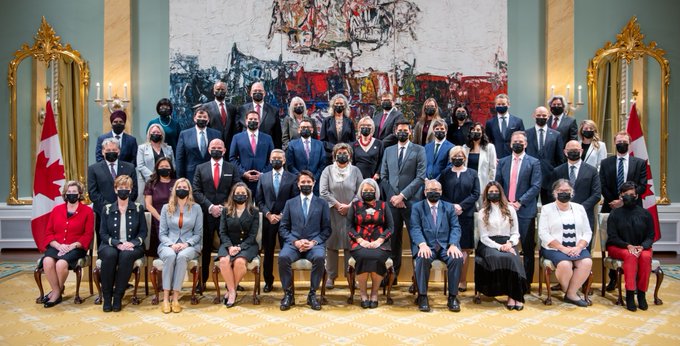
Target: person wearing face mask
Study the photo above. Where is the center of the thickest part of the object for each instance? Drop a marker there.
(212, 183)
(250, 151)
(368, 150)
(269, 115)
(461, 188)
(423, 131)
(127, 143)
(385, 119)
(545, 144)
(170, 126)
(338, 187)
(435, 234)
(100, 178)
(630, 235)
(67, 238)
(222, 115)
(560, 121)
(499, 129)
(594, 150)
(498, 268)
(481, 156)
(459, 125)
(520, 176)
(238, 228)
(122, 233)
(305, 227)
(437, 151)
(192, 147)
(156, 194)
(565, 233)
(306, 153)
(273, 190)
(297, 110)
(337, 127)
(150, 152)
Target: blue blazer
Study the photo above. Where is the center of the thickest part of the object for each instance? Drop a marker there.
(267, 200)
(294, 226)
(188, 155)
(550, 157)
(502, 140)
(128, 149)
(423, 229)
(435, 165)
(241, 154)
(296, 159)
(528, 183)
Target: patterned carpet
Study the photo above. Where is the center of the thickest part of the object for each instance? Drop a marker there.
(25, 322)
(671, 271)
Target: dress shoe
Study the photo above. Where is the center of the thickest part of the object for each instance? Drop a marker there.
(630, 301)
(330, 284)
(611, 286)
(240, 288)
(412, 289)
(510, 307)
(225, 299)
(462, 289)
(50, 304)
(580, 302)
(267, 288)
(518, 307)
(287, 301)
(117, 303)
(313, 302)
(423, 303)
(365, 304)
(231, 305)
(453, 304)
(106, 304)
(642, 301)
(176, 308)
(556, 287)
(200, 287)
(166, 307)
(373, 304)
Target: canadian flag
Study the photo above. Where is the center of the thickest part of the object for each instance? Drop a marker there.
(638, 148)
(49, 178)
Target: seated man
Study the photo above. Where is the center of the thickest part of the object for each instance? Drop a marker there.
(435, 234)
(305, 227)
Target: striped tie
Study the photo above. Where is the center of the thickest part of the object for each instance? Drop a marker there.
(619, 174)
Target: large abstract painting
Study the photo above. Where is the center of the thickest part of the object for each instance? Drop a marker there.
(452, 50)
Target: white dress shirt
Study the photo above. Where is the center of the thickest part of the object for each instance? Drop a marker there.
(498, 226)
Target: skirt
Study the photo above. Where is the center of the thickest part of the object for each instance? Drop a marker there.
(70, 257)
(499, 273)
(370, 260)
(467, 234)
(558, 256)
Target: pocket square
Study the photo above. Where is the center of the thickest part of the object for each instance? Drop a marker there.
(227, 175)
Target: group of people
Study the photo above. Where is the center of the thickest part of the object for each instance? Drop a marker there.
(455, 185)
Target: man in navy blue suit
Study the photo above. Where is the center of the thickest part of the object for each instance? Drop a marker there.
(545, 144)
(250, 151)
(192, 147)
(269, 114)
(437, 151)
(500, 128)
(306, 153)
(305, 227)
(128, 144)
(435, 234)
(520, 176)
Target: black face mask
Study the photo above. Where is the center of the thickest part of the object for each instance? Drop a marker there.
(573, 155)
(299, 110)
(588, 134)
(557, 110)
(368, 196)
(564, 197)
(220, 95)
(622, 148)
(365, 131)
(429, 111)
(402, 136)
(164, 111)
(342, 158)
(501, 109)
(386, 105)
(476, 135)
(306, 189)
(164, 172)
(541, 121)
(457, 162)
(305, 133)
(216, 154)
(156, 137)
(517, 148)
(72, 197)
(182, 193)
(111, 156)
(240, 199)
(253, 125)
(460, 116)
(433, 196)
(493, 196)
(123, 194)
(201, 123)
(629, 200)
(258, 97)
(277, 164)
(339, 109)
(439, 135)
(118, 128)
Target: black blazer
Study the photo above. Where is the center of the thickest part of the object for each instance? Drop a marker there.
(551, 156)
(100, 183)
(329, 135)
(109, 230)
(241, 231)
(587, 191)
(567, 128)
(387, 135)
(265, 198)
(205, 193)
(637, 172)
(269, 122)
(226, 130)
(502, 140)
(463, 190)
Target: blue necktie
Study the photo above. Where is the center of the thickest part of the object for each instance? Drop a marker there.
(202, 144)
(305, 207)
(619, 174)
(276, 183)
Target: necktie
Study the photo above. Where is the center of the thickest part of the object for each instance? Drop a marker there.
(257, 108)
(277, 182)
(433, 208)
(504, 126)
(401, 156)
(223, 114)
(252, 143)
(513, 180)
(572, 174)
(118, 137)
(120, 141)
(216, 175)
(541, 139)
(113, 171)
(202, 143)
(555, 120)
(307, 149)
(305, 206)
(382, 123)
(436, 150)
(619, 174)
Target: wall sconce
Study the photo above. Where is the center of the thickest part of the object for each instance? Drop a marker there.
(113, 103)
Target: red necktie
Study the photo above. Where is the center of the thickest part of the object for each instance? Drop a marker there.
(223, 113)
(555, 120)
(513, 179)
(216, 175)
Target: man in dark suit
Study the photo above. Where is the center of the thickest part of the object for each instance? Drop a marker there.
(273, 190)
(127, 143)
(437, 151)
(520, 176)
(385, 120)
(212, 184)
(559, 120)
(305, 227)
(500, 128)
(435, 234)
(545, 144)
(221, 113)
(269, 115)
(100, 177)
(192, 147)
(250, 151)
(402, 175)
(306, 153)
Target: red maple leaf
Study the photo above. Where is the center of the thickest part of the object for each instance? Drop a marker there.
(46, 176)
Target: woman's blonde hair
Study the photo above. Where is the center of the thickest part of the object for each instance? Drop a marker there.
(596, 135)
(122, 180)
(151, 127)
(79, 185)
(173, 201)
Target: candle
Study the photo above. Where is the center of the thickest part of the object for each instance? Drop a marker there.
(552, 90)
(125, 91)
(579, 95)
(110, 91)
(568, 88)
(99, 89)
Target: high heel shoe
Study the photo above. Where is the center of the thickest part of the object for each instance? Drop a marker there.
(166, 307)
(176, 308)
(231, 305)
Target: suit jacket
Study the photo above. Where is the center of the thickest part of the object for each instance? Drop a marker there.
(269, 121)
(266, 198)
(550, 156)
(637, 172)
(68, 230)
(317, 225)
(444, 233)
(188, 154)
(109, 230)
(145, 159)
(528, 183)
(242, 156)
(594, 156)
(241, 231)
(296, 159)
(587, 191)
(128, 148)
(226, 130)
(567, 128)
(463, 190)
(191, 231)
(386, 134)
(205, 193)
(502, 140)
(329, 135)
(435, 165)
(100, 183)
(407, 179)
(486, 168)
(550, 225)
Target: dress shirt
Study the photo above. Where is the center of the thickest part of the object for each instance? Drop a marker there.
(257, 136)
(578, 167)
(538, 135)
(500, 121)
(519, 169)
(498, 226)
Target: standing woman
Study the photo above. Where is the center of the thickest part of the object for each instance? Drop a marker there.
(122, 233)
(338, 127)
(459, 126)
(171, 127)
(481, 156)
(180, 233)
(156, 194)
(291, 124)
(368, 151)
(423, 132)
(339, 184)
(594, 150)
(460, 187)
(149, 153)
(238, 231)
(68, 236)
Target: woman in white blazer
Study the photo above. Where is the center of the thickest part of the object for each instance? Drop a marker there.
(594, 150)
(149, 152)
(481, 157)
(565, 233)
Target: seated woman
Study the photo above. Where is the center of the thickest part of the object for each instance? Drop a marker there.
(68, 236)
(238, 229)
(370, 228)
(156, 195)
(630, 234)
(180, 233)
(565, 232)
(498, 267)
(122, 232)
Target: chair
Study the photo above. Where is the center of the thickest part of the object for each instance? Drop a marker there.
(193, 267)
(85, 261)
(252, 266)
(303, 264)
(351, 280)
(609, 263)
(547, 268)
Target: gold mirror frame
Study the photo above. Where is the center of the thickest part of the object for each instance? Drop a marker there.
(630, 46)
(46, 47)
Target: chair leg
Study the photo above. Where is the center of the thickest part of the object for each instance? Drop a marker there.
(216, 281)
(390, 278)
(659, 279)
(547, 272)
(619, 274)
(446, 283)
(154, 282)
(195, 271)
(90, 278)
(414, 284)
(586, 289)
(350, 281)
(37, 275)
(146, 276)
(604, 278)
(256, 288)
(79, 276)
(135, 299)
(540, 282)
(324, 301)
(96, 273)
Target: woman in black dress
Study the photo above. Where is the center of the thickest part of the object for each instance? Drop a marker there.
(338, 126)
(156, 194)
(459, 125)
(368, 151)
(238, 231)
(460, 187)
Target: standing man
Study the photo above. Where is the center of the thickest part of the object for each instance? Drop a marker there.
(385, 120)
(250, 151)
(192, 147)
(559, 121)
(437, 151)
(520, 176)
(306, 153)
(269, 115)
(222, 114)
(500, 128)
(545, 144)
(126, 143)
(402, 175)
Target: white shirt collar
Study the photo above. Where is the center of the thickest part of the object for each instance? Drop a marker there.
(219, 162)
(500, 116)
(436, 205)
(405, 146)
(280, 171)
(309, 198)
(521, 156)
(626, 156)
(256, 133)
(544, 128)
